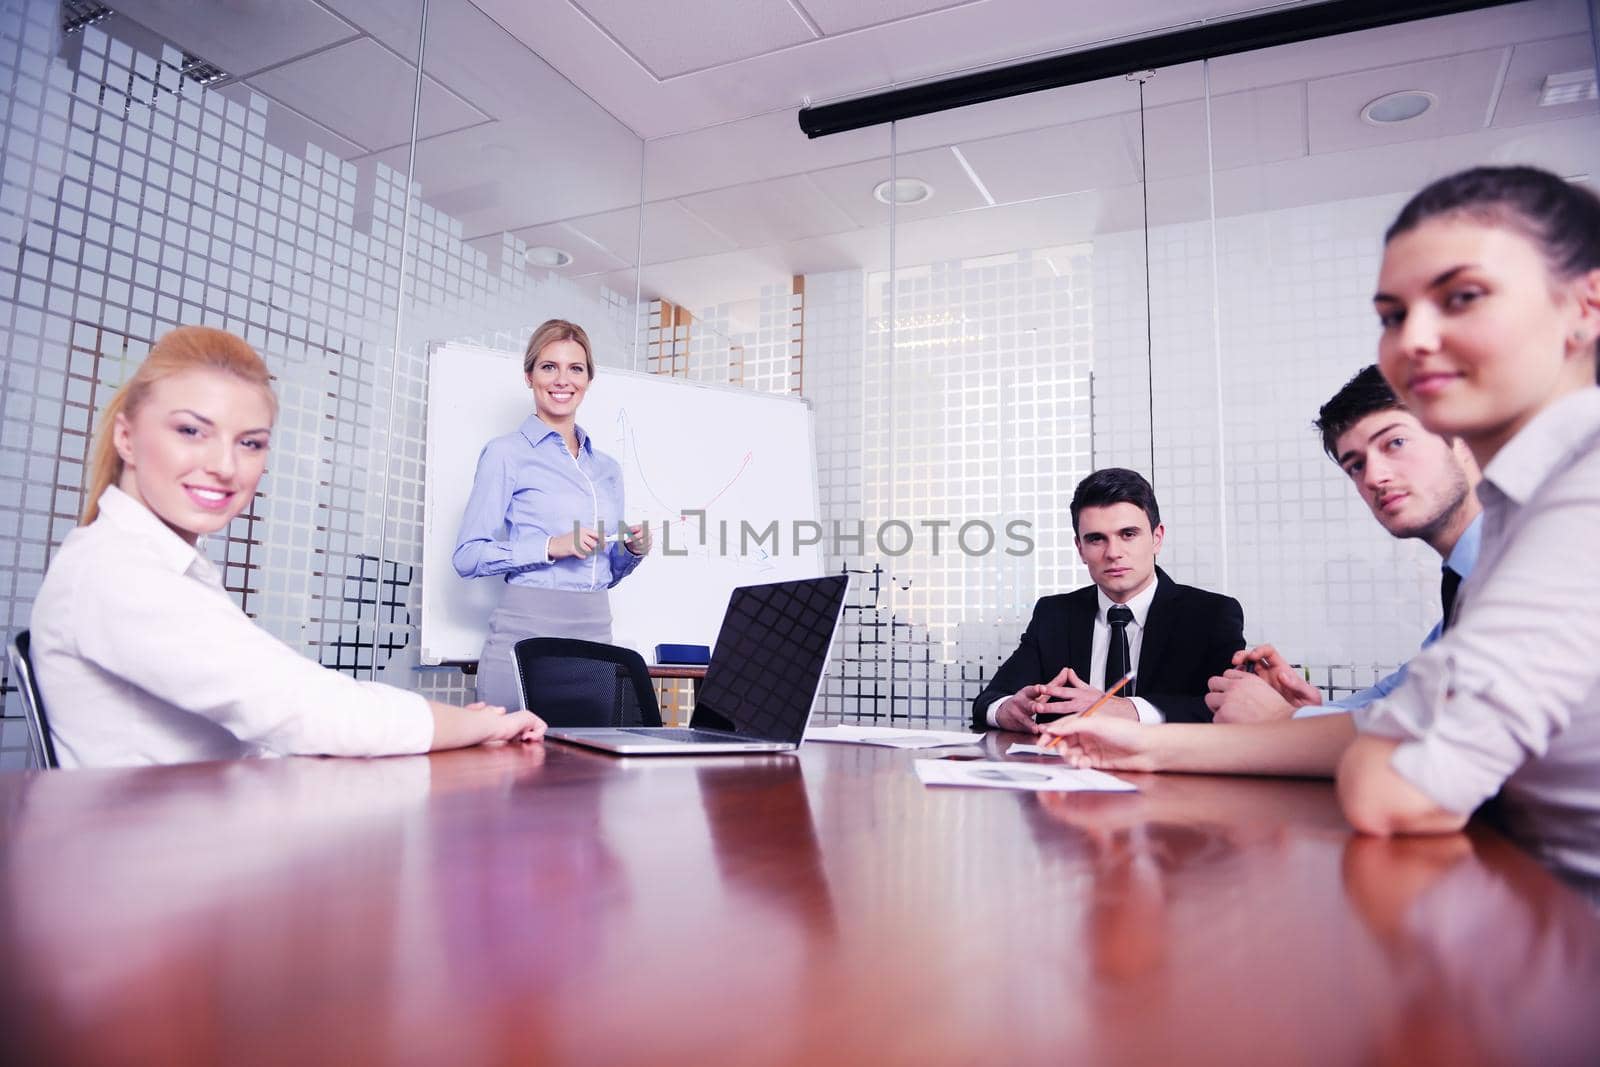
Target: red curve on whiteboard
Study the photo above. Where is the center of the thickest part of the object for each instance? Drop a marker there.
(633, 446)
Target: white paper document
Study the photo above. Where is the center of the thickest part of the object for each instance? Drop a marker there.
(1030, 777)
(890, 737)
(1020, 749)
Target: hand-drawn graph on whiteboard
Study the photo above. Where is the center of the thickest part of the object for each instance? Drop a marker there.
(723, 476)
(701, 521)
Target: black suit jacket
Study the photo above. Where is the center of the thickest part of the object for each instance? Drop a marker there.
(1190, 635)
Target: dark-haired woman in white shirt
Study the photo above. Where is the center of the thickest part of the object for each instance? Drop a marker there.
(1488, 302)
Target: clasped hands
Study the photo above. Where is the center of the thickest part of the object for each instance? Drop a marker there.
(1065, 694)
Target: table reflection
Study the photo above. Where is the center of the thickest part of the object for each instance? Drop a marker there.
(1492, 967)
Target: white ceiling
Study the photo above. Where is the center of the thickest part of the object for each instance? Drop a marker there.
(670, 40)
(536, 114)
(850, 48)
(319, 84)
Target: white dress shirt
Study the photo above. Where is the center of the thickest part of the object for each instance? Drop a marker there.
(1140, 606)
(1508, 699)
(143, 657)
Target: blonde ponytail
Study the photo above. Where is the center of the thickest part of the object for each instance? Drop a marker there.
(182, 349)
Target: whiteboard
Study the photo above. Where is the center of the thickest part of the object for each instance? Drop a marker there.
(738, 455)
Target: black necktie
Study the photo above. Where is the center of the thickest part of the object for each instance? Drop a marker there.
(1449, 582)
(1117, 661)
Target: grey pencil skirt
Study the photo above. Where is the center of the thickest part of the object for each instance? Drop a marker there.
(525, 611)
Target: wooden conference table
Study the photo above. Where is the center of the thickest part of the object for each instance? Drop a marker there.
(546, 905)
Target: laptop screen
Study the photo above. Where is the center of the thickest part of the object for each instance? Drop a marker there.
(768, 661)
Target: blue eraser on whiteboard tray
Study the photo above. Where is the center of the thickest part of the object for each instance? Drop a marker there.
(688, 655)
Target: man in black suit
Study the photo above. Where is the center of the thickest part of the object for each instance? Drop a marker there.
(1134, 617)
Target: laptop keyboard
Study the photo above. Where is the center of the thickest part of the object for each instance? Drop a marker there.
(673, 734)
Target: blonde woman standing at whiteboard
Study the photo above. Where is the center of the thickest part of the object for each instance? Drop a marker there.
(541, 499)
(142, 655)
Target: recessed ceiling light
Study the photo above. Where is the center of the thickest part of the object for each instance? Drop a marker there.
(1572, 87)
(1398, 107)
(903, 191)
(548, 256)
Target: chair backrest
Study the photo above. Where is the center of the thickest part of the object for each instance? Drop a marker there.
(40, 745)
(567, 682)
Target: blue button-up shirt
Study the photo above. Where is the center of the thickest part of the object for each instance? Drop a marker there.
(529, 489)
(1463, 557)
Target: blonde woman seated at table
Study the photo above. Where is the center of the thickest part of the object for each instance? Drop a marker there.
(542, 499)
(142, 657)
(1489, 305)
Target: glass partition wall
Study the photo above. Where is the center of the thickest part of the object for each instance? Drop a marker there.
(760, 250)
(1168, 271)
(171, 163)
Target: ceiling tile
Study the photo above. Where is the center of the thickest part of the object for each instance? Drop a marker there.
(479, 61)
(688, 35)
(1530, 64)
(670, 233)
(706, 283)
(547, 136)
(750, 150)
(1407, 42)
(851, 187)
(772, 212)
(247, 36)
(363, 92)
(1061, 159)
(503, 175)
(943, 41)
(1247, 129)
(1464, 86)
(838, 16)
(587, 256)
(397, 24)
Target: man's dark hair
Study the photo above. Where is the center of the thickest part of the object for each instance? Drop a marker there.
(1115, 485)
(1365, 394)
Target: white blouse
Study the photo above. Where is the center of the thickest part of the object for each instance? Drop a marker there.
(1508, 699)
(142, 657)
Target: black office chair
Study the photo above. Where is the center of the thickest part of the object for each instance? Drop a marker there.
(40, 745)
(567, 682)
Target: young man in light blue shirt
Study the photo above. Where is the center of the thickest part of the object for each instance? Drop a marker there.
(1417, 484)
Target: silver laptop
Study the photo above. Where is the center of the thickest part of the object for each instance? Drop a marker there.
(762, 681)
